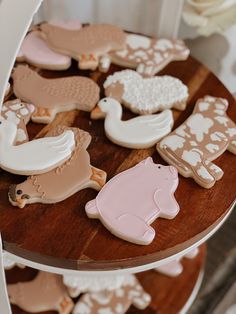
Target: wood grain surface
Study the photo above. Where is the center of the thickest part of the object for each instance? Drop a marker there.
(61, 235)
(169, 295)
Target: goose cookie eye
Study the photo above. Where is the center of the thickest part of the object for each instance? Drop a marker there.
(19, 192)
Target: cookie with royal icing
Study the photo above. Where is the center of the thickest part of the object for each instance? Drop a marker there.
(132, 200)
(19, 113)
(7, 91)
(44, 293)
(86, 45)
(146, 95)
(203, 137)
(149, 55)
(114, 301)
(51, 96)
(62, 182)
(139, 132)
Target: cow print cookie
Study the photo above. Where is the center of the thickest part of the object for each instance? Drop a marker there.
(19, 113)
(51, 96)
(117, 301)
(86, 45)
(146, 95)
(149, 56)
(134, 199)
(62, 182)
(203, 137)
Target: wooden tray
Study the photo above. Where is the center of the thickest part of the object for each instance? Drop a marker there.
(164, 290)
(61, 235)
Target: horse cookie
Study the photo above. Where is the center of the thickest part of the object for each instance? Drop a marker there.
(51, 96)
(62, 182)
(203, 137)
(117, 301)
(86, 45)
(146, 95)
(44, 293)
(149, 56)
(19, 113)
(134, 199)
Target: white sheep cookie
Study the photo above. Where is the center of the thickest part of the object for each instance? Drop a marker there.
(146, 95)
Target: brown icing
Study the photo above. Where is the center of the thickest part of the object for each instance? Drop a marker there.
(152, 56)
(60, 183)
(46, 292)
(203, 137)
(92, 40)
(116, 301)
(19, 113)
(59, 93)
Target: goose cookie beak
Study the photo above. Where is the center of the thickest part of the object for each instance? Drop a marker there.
(14, 199)
(97, 113)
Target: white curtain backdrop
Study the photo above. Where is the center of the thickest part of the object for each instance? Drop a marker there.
(151, 17)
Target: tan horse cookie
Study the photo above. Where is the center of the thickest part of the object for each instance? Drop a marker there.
(46, 292)
(86, 45)
(203, 137)
(51, 96)
(62, 182)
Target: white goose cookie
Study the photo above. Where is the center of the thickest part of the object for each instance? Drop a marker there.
(146, 95)
(139, 132)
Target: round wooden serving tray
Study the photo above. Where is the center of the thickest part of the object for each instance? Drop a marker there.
(62, 236)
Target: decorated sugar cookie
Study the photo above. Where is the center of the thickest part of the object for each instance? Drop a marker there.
(9, 263)
(35, 51)
(62, 182)
(34, 157)
(175, 267)
(19, 113)
(116, 301)
(7, 91)
(51, 96)
(203, 137)
(44, 293)
(73, 24)
(139, 132)
(86, 45)
(131, 201)
(146, 95)
(149, 56)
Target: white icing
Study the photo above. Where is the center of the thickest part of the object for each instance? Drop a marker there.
(105, 62)
(202, 172)
(150, 94)
(220, 106)
(219, 111)
(4, 108)
(222, 120)
(105, 311)
(138, 41)
(24, 111)
(16, 106)
(163, 44)
(215, 168)
(181, 131)
(140, 132)
(140, 53)
(212, 148)
(203, 106)
(218, 136)
(122, 53)
(191, 157)
(199, 125)
(231, 131)
(158, 57)
(173, 141)
(11, 116)
(193, 143)
(209, 98)
(20, 135)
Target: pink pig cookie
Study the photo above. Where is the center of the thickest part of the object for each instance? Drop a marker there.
(133, 199)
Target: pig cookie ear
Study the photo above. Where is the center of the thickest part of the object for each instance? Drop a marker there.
(91, 209)
(146, 161)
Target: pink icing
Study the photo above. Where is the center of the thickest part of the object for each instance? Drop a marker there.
(35, 50)
(133, 199)
(67, 24)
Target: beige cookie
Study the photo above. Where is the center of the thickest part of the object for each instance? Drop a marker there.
(148, 55)
(203, 137)
(62, 182)
(86, 45)
(51, 96)
(146, 95)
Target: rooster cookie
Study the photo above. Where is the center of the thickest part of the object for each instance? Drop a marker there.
(131, 201)
(44, 293)
(62, 182)
(203, 137)
(146, 95)
(139, 132)
(51, 96)
(19, 113)
(86, 45)
(116, 301)
(149, 56)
